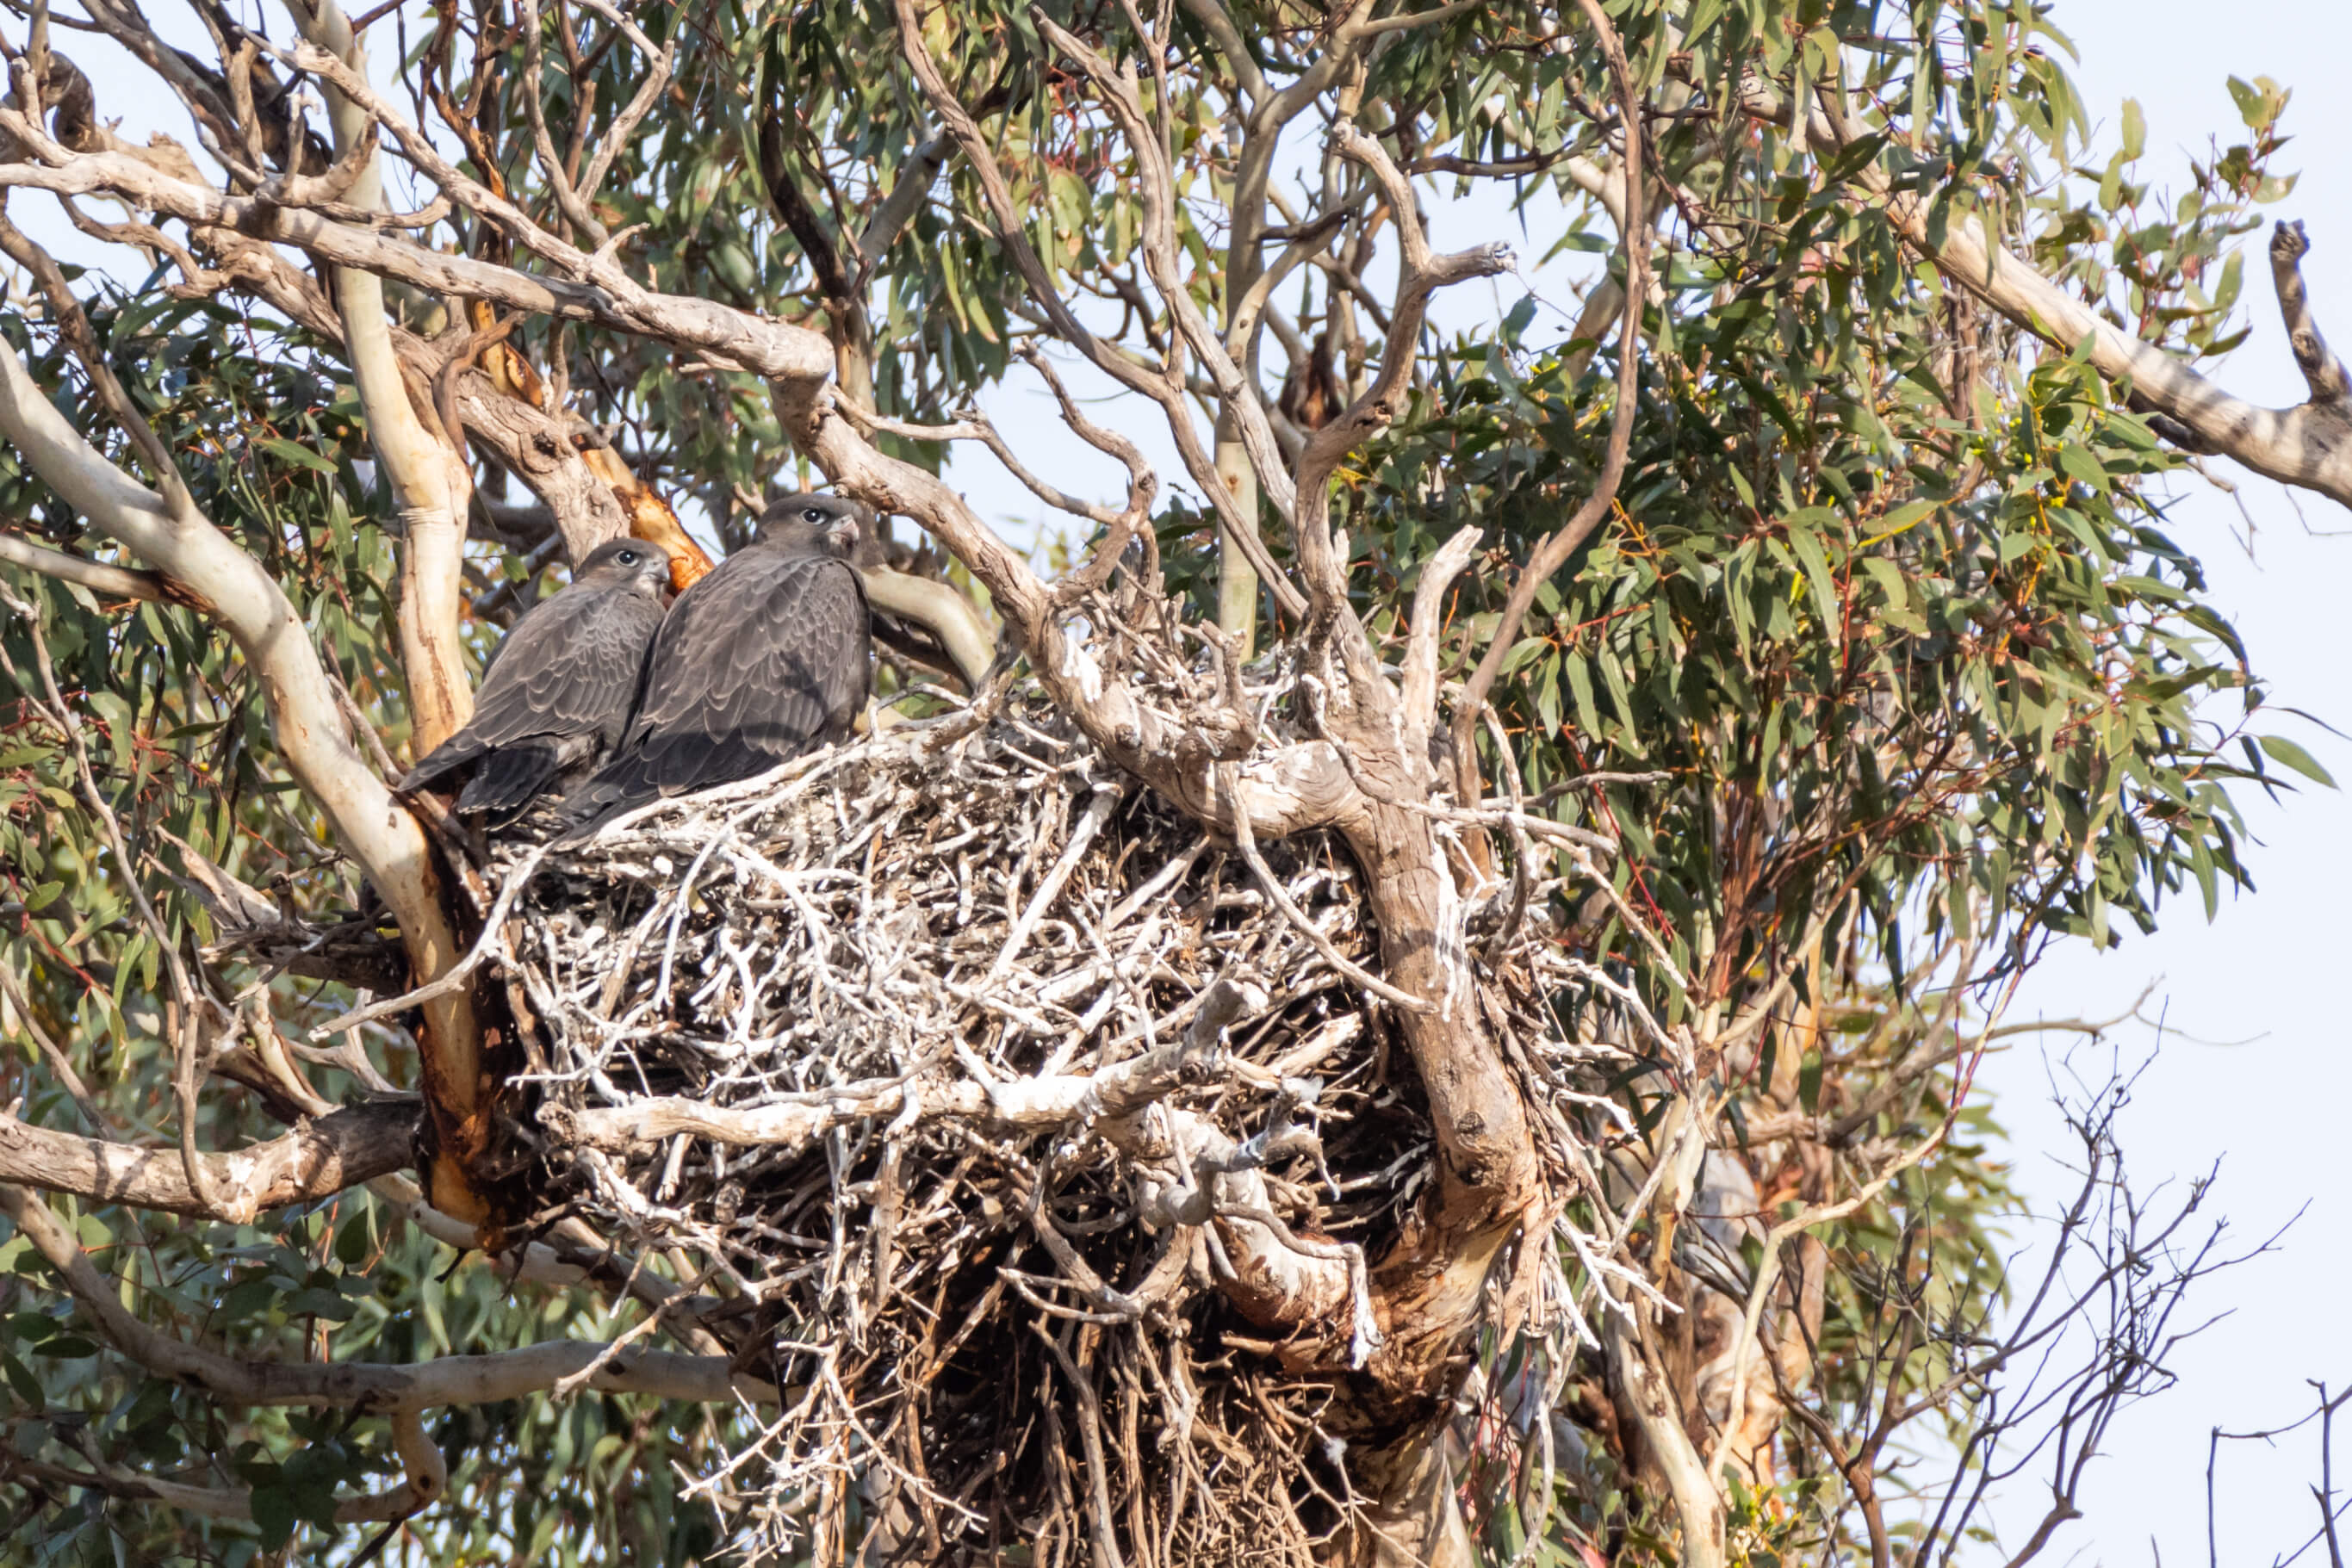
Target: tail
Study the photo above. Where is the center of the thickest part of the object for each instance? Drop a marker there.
(439, 763)
(509, 779)
(671, 766)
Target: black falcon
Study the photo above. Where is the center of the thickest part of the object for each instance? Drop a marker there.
(764, 659)
(556, 696)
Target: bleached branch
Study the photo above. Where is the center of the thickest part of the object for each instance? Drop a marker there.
(2308, 446)
(431, 485)
(773, 349)
(2322, 373)
(318, 1159)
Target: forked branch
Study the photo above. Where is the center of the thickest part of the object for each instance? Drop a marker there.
(1158, 383)
(2322, 373)
(1424, 272)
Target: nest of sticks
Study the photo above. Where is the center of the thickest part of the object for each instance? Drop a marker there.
(981, 1084)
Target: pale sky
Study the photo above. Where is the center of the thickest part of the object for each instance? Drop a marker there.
(2264, 971)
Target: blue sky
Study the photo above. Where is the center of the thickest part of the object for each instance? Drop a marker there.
(2270, 970)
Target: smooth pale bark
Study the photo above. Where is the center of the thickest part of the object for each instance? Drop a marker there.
(775, 350)
(1655, 1406)
(305, 714)
(943, 610)
(113, 581)
(433, 490)
(431, 485)
(2308, 446)
(318, 1159)
(1238, 581)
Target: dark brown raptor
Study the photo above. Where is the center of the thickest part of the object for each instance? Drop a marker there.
(767, 657)
(558, 693)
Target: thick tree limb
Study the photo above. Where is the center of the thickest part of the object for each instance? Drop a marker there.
(318, 1159)
(538, 447)
(113, 581)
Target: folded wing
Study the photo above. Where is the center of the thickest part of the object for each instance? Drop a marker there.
(555, 697)
(763, 660)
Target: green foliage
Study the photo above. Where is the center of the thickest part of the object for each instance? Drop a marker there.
(1889, 598)
(180, 751)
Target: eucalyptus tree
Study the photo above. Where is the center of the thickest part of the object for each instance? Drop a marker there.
(1793, 636)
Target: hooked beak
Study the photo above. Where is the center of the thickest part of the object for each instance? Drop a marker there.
(842, 535)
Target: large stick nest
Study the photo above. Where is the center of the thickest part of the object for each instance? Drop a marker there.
(1035, 1149)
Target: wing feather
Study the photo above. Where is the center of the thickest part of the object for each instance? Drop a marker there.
(761, 661)
(569, 671)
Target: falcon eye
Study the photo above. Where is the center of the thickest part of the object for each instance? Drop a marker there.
(812, 514)
(628, 558)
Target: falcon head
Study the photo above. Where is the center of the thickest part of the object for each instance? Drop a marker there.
(818, 525)
(631, 565)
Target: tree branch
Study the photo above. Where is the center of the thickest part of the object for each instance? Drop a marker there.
(379, 1386)
(431, 485)
(1418, 699)
(2322, 373)
(2309, 445)
(428, 1478)
(1657, 1407)
(775, 350)
(113, 581)
(185, 549)
(1299, 787)
(318, 1159)
(1151, 383)
(1553, 553)
(1424, 273)
(941, 608)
